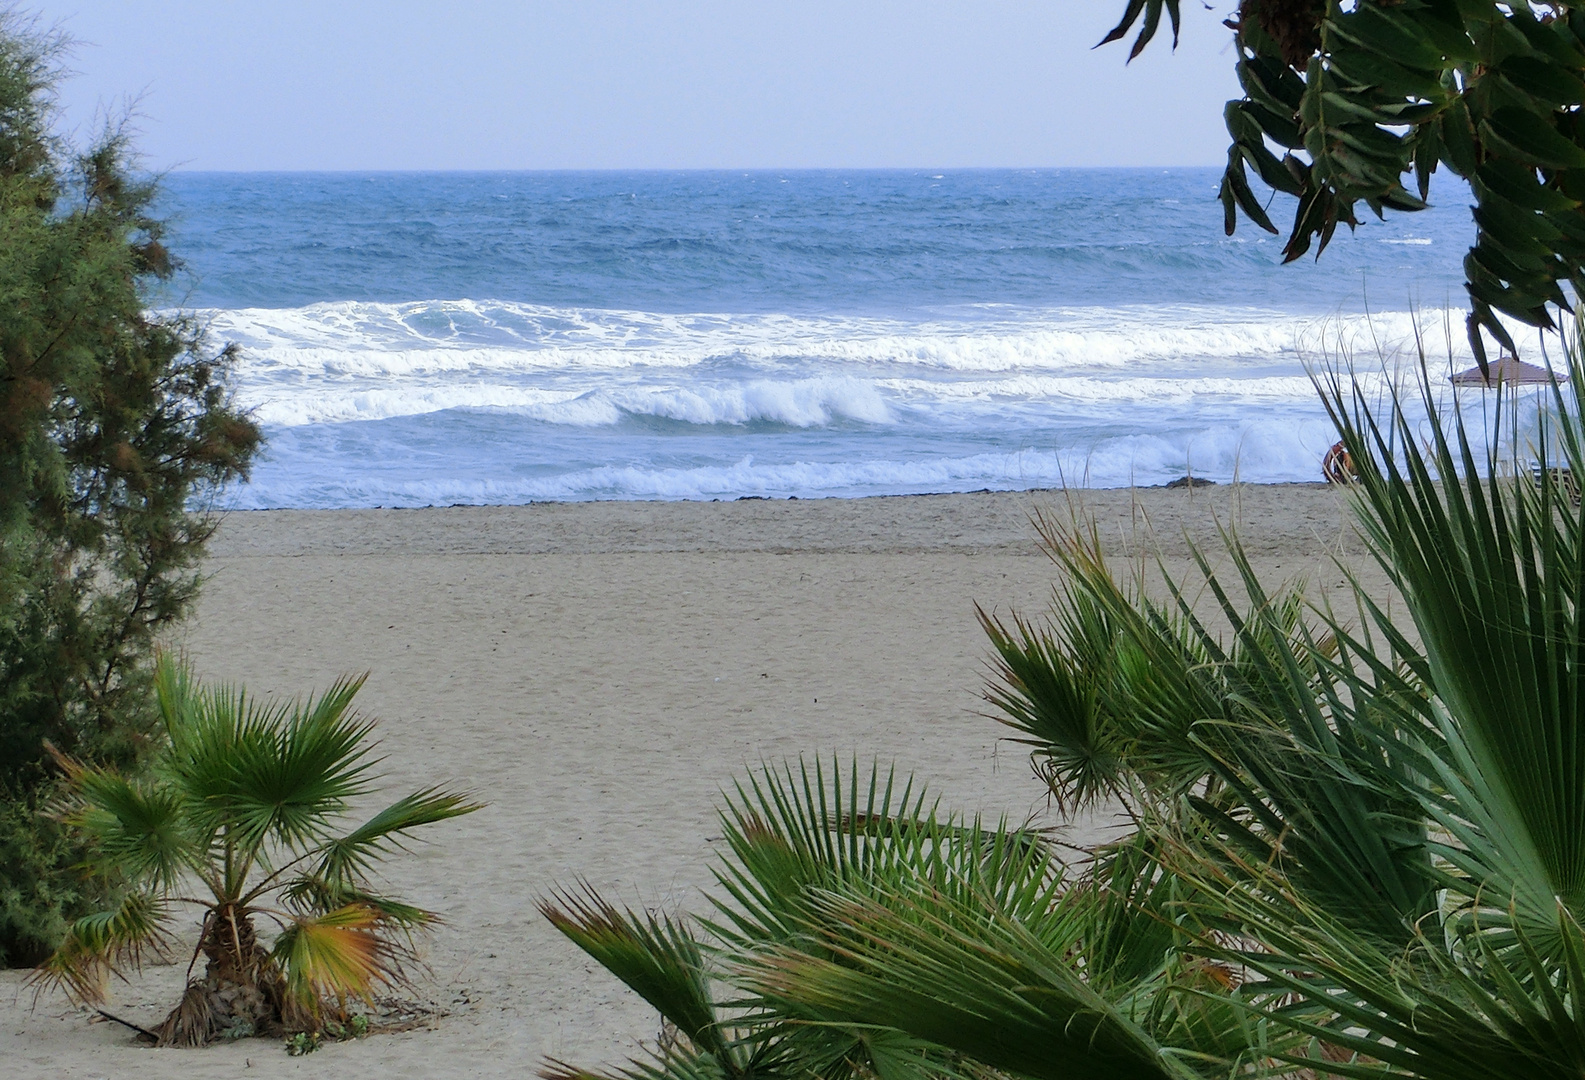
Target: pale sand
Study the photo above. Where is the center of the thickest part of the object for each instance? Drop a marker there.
(597, 672)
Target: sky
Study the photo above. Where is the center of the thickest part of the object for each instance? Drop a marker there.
(601, 84)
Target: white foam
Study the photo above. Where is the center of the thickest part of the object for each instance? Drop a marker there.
(1113, 390)
(1263, 451)
(332, 363)
(799, 403)
(796, 402)
(366, 339)
(783, 404)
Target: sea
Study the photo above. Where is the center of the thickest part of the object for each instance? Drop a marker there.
(418, 339)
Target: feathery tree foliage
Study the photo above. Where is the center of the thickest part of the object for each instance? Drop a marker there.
(240, 803)
(1358, 844)
(1357, 97)
(113, 421)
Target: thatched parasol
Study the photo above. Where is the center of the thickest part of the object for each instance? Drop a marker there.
(1509, 371)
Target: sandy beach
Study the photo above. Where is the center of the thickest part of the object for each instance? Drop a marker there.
(597, 672)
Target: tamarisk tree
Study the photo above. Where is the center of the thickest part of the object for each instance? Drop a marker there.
(115, 422)
(1361, 102)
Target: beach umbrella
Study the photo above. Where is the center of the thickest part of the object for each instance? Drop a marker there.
(1509, 371)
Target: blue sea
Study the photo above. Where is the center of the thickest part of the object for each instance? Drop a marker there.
(414, 339)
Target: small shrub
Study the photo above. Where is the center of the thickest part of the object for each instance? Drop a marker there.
(302, 1042)
(37, 900)
(242, 803)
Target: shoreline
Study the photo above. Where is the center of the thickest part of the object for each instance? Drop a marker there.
(1185, 483)
(1269, 517)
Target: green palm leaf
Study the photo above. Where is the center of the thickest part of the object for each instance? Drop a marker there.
(669, 1065)
(338, 955)
(656, 956)
(345, 861)
(1494, 586)
(267, 771)
(1053, 699)
(138, 827)
(245, 797)
(1425, 1010)
(790, 833)
(981, 985)
(103, 944)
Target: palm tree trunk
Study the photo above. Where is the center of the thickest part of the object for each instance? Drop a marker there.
(241, 992)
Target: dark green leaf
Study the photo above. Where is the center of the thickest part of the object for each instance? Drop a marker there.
(657, 957)
(1518, 185)
(1552, 84)
(1389, 35)
(1527, 138)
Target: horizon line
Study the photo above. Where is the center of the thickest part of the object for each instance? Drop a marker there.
(743, 170)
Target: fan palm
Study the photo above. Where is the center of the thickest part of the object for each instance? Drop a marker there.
(238, 816)
(828, 872)
(1380, 839)
(1360, 845)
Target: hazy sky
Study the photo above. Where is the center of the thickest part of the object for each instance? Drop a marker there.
(541, 84)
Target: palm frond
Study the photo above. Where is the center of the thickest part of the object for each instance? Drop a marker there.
(1272, 734)
(304, 770)
(1455, 1007)
(786, 831)
(790, 833)
(308, 894)
(797, 834)
(967, 979)
(341, 954)
(656, 956)
(345, 861)
(246, 795)
(1477, 737)
(137, 826)
(268, 771)
(1494, 579)
(670, 1064)
(103, 944)
(1156, 668)
(1053, 698)
(175, 693)
(1129, 908)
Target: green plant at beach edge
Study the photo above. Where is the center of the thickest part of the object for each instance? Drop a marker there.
(239, 814)
(1358, 844)
(116, 422)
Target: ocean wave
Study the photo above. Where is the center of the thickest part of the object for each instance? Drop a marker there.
(334, 363)
(1118, 390)
(350, 340)
(795, 402)
(474, 402)
(706, 335)
(800, 402)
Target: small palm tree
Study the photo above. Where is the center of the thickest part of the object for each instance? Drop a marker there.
(238, 816)
(859, 933)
